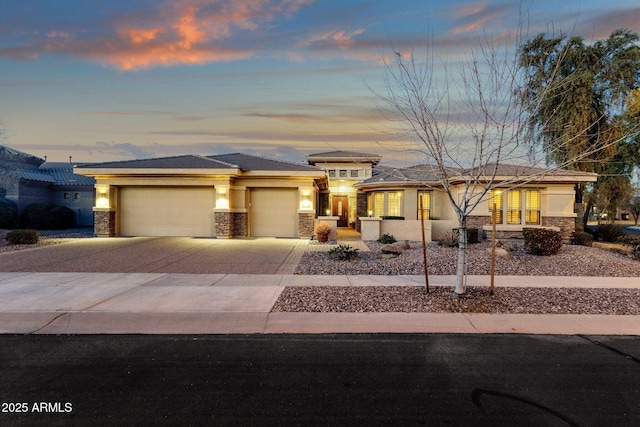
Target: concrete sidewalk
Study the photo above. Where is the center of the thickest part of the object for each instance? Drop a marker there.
(167, 303)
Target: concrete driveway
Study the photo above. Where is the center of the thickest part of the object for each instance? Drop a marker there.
(160, 255)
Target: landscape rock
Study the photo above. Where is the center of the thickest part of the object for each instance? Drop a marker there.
(404, 244)
(391, 249)
(502, 250)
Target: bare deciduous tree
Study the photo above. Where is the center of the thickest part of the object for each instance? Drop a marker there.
(467, 124)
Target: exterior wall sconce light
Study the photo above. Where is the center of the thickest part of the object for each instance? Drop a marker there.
(102, 197)
(328, 212)
(222, 198)
(370, 214)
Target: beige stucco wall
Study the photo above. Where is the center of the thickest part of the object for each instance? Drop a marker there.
(409, 229)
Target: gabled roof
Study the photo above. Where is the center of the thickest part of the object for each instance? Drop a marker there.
(343, 156)
(62, 173)
(248, 162)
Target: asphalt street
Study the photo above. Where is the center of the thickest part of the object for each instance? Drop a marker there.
(349, 379)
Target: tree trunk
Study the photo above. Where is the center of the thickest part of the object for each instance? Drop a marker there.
(461, 270)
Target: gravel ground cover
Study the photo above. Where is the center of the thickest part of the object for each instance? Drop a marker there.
(570, 261)
(414, 299)
(47, 238)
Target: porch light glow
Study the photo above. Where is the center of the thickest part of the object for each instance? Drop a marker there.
(102, 197)
(305, 200)
(328, 212)
(370, 213)
(222, 199)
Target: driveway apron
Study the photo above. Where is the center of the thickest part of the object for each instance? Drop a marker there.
(159, 255)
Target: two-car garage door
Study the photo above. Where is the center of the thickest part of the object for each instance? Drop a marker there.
(167, 211)
(188, 211)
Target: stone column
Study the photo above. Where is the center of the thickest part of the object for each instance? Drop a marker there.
(224, 224)
(104, 222)
(306, 221)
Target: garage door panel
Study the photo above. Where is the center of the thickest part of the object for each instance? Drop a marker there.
(178, 211)
(273, 212)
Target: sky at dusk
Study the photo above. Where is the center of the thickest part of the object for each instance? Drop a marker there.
(127, 79)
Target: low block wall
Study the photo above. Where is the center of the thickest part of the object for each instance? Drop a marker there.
(408, 229)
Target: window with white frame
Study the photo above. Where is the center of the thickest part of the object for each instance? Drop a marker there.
(386, 203)
(354, 173)
(522, 206)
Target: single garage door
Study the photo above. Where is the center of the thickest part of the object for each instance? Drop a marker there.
(273, 212)
(167, 211)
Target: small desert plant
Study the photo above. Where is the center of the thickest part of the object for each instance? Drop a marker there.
(449, 239)
(610, 232)
(636, 252)
(343, 252)
(541, 241)
(387, 238)
(22, 237)
(581, 238)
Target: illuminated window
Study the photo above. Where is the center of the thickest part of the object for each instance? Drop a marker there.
(378, 204)
(514, 207)
(386, 203)
(393, 204)
(532, 203)
(425, 197)
(520, 204)
(495, 201)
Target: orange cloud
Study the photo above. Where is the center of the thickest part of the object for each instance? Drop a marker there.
(178, 32)
(475, 16)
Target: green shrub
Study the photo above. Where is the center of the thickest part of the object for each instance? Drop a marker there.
(581, 238)
(449, 239)
(387, 238)
(541, 241)
(41, 216)
(610, 232)
(22, 237)
(8, 213)
(343, 252)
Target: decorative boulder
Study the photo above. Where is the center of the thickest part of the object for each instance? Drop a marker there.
(391, 249)
(502, 250)
(404, 245)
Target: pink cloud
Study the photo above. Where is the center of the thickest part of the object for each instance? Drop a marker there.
(177, 32)
(475, 16)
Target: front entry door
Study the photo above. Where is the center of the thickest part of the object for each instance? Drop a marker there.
(340, 208)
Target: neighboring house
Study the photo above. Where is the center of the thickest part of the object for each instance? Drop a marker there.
(224, 196)
(524, 197)
(27, 179)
